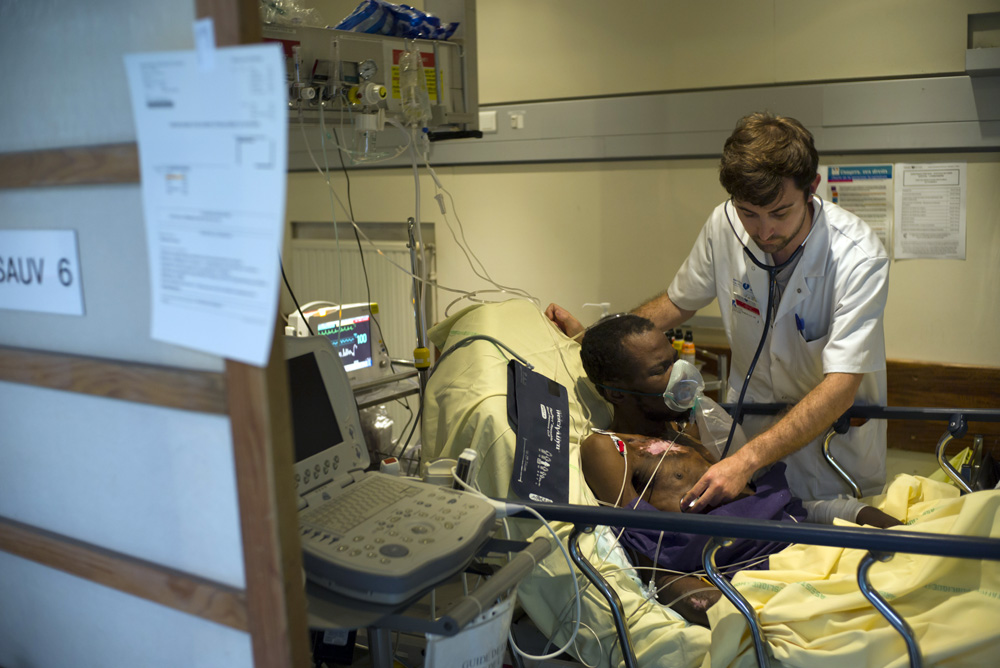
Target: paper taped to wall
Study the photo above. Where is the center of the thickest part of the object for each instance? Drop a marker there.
(213, 155)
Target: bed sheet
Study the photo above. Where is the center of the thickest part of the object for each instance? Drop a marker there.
(813, 614)
(809, 604)
(466, 406)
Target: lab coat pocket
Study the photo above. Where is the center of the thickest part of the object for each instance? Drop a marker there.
(806, 362)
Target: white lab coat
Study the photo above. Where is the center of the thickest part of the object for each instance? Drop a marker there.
(838, 290)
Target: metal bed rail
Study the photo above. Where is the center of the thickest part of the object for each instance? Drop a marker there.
(957, 418)
(886, 412)
(913, 542)
(879, 544)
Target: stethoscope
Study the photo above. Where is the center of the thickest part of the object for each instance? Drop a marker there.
(772, 296)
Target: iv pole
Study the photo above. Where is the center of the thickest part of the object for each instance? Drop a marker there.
(421, 355)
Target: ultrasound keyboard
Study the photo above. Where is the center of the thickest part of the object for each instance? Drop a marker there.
(385, 539)
(358, 503)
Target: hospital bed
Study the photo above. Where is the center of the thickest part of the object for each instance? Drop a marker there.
(808, 603)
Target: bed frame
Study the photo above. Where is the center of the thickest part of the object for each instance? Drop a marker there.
(879, 545)
(913, 384)
(977, 387)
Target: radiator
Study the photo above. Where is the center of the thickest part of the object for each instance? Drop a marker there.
(315, 275)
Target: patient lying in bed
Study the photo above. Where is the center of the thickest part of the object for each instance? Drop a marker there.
(808, 602)
(651, 456)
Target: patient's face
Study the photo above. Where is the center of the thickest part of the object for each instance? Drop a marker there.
(652, 359)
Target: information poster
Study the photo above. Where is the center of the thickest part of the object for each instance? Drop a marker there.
(213, 131)
(930, 200)
(866, 191)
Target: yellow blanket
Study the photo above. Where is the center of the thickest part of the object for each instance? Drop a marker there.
(813, 614)
(811, 609)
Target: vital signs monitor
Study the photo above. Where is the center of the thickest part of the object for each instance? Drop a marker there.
(350, 328)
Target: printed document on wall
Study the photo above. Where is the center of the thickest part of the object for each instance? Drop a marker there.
(213, 153)
(866, 191)
(930, 205)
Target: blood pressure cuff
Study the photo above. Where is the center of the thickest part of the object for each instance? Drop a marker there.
(538, 412)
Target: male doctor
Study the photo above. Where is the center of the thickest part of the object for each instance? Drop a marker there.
(824, 349)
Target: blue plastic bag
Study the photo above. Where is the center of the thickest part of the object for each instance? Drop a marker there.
(378, 17)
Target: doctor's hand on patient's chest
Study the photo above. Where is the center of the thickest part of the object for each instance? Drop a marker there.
(722, 482)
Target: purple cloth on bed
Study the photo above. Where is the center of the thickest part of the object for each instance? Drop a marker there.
(682, 552)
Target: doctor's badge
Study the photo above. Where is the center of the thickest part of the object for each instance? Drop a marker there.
(744, 301)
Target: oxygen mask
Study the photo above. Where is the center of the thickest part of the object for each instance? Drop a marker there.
(684, 386)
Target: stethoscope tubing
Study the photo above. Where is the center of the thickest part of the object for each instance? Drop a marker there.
(772, 270)
(772, 294)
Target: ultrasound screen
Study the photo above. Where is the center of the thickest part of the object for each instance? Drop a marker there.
(314, 424)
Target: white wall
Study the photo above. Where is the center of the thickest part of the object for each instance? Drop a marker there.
(576, 233)
(51, 618)
(949, 310)
(617, 232)
(154, 483)
(517, 219)
(577, 48)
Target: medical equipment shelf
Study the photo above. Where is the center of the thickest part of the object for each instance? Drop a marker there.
(332, 611)
(382, 399)
(720, 381)
(386, 380)
(362, 388)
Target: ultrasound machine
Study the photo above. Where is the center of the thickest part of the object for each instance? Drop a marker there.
(366, 535)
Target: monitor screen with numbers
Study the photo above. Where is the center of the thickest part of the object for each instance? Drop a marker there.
(352, 339)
